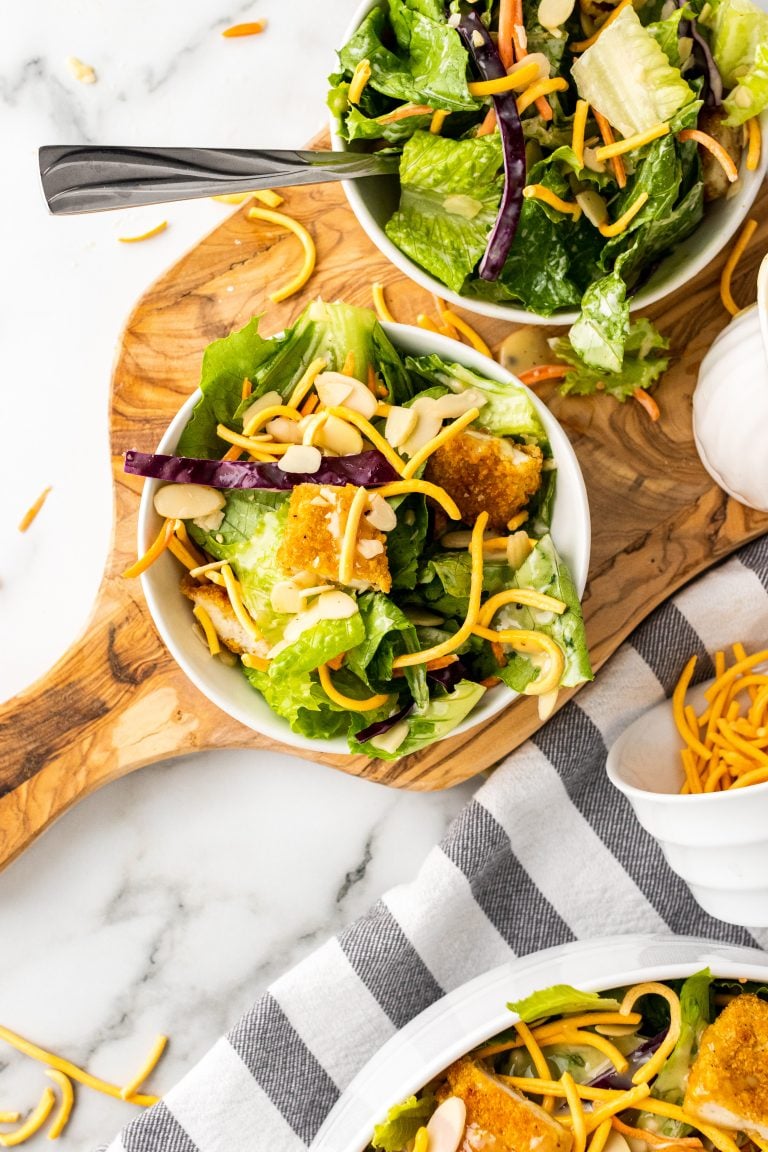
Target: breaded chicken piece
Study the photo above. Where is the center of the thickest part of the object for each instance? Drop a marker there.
(487, 474)
(728, 1083)
(496, 1110)
(216, 602)
(317, 516)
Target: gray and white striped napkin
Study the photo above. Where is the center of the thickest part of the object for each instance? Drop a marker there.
(546, 852)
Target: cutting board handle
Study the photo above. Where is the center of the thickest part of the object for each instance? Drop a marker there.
(106, 707)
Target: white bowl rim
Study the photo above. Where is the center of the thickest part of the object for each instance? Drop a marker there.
(616, 961)
(516, 314)
(269, 723)
(700, 799)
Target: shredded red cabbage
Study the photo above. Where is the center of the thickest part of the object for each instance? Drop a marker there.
(366, 469)
(713, 81)
(449, 676)
(486, 57)
(381, 726)
(622, 1082)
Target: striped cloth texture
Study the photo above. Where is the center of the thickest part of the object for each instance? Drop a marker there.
(545, 853)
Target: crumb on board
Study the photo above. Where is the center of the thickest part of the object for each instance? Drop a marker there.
(84, 73)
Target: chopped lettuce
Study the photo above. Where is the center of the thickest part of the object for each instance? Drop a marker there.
(627, 76)
(508, 410)
(740, 48)
(599, 335)
(317, 645)
(642, 365)
(666, 33)
(559, 1000)
(387, 633)
(402, 1123)
(450, 192)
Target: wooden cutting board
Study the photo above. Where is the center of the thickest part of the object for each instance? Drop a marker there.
(117, 701)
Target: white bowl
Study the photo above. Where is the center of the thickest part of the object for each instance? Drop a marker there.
(476, 1011)
(227, 687)
(736, 363)
(375, 198)
(717, 842)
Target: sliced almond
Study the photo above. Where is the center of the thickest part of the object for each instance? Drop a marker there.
(455, 404)
(400, 424)
(361, 400)
(286, 597)
(460, 539)
(518, 549)
(446, 1125)
(268, 400)
(593, 206)
(300, 458)
(429, 424)
(285, 431)
(390, 741)
(370, 548)
(537, 58)
(340, 437)
(335, 605)
(381, 515)
(187, 501)
(591, 161)
(554, 13)
(424, 619)
(210, 523)
(333, 388)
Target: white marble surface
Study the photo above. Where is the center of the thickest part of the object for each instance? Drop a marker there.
(168, 901)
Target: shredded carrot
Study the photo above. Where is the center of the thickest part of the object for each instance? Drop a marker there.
(543, 372)
(348, 367)
(736, 254)
(754, 144)
(617, 163)
(252, 28)
(32, 512)
(309, 405)
(233, 453)
(489, 123)
(380, 303)
(306, 241)
(547, 196)
(161, 227)
(507, 21)
(541, 88)
(246, 389)
(403, 112)
(647, 401)
(715, 147)
(582, 45)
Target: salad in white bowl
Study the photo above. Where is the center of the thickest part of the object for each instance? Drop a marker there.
(364, 533)
(554, 153)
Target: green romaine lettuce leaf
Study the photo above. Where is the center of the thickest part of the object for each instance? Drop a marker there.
(450, 191)
(405, 543)
(432, 68)
(641, 367)
(508, 410)
(560, 1000)
(226, 363)
(599, 335)
(441, 715)
(318, 645)
(627, 77)
(300, 700)
(740, 48)
(387, 632)
(666, 33)
(402, 1123)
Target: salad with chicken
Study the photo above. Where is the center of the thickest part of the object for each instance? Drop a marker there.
(367, 535)
(674, 1065)
(554, 151)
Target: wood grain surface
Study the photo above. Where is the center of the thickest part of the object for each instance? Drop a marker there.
(117, 701)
